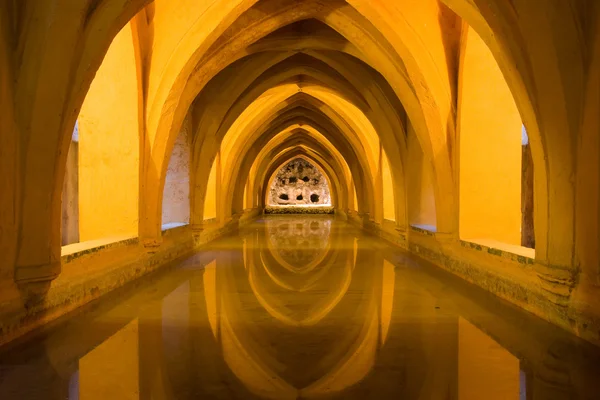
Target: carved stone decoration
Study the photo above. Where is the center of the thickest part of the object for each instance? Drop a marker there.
(299, 183)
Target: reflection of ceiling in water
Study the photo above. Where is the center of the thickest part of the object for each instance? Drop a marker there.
(301, 303)
(355, 326)
(276, 305)
(298, 242)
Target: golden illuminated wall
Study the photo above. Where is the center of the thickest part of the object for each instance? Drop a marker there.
(250, 197)
(490, 148)
(389, 205)
(109, 146)
(419, 177)
(210, 202)
(354, 200)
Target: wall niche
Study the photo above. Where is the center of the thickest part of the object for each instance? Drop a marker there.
(299, 183)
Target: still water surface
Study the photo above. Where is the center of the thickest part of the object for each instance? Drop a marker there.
(298, 308)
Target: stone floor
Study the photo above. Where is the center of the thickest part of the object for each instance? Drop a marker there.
(300, 307)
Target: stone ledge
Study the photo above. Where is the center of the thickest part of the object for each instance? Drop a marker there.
(76, 250)
(173, 225)
(520, 257)
(299, 210)
(515, 278)
(423, 229)
(92, 270)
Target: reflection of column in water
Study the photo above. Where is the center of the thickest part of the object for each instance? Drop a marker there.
(175, 340)
(102, 377)
(210, 373)
(248, 348)
(151, 352)
(363, 324)
(561, 373)
(418, 355)
(486, 370)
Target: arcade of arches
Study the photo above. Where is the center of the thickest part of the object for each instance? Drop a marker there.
(132, 132)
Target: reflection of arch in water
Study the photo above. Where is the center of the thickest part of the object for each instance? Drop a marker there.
(273, 305)
(255, 369)
(302, 283)
(298, 245)
(343, 365)
(241, 348)
(269, 281)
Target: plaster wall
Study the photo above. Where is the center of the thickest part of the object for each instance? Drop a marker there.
(247, 198)
(210, 202)
(109, 146)
(489, 128)
(389, 205)
(419, 178)
(176, 194)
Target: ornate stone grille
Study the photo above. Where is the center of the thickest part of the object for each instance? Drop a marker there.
(299, 183)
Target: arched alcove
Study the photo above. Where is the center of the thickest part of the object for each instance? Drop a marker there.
(389, 201)
(299, 184)
(104, 156)
(420, 190)
(491, 150)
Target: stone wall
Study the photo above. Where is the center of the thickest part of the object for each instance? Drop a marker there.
(299, 183)
(70, 197)
(93, 269)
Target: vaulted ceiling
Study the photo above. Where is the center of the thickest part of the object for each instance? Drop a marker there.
(338, 82)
